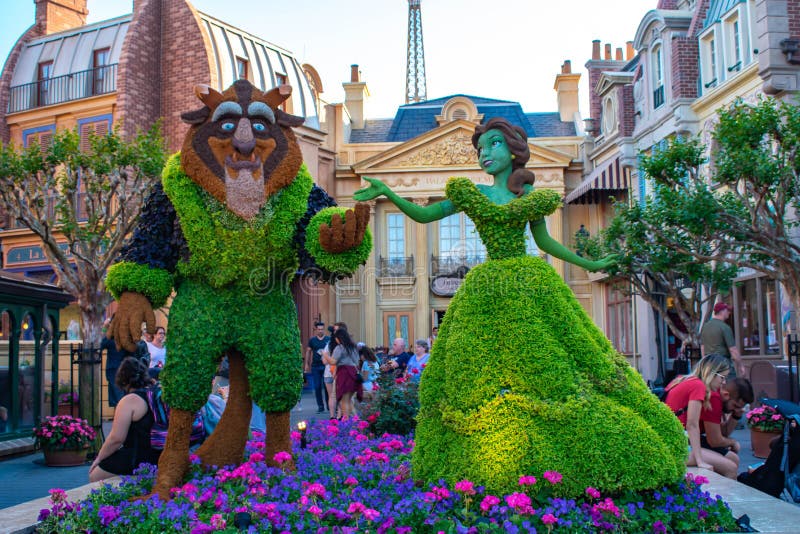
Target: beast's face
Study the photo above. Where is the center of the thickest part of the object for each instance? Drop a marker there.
(241, 147)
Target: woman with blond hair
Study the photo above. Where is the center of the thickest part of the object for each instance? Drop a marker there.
(688, 396)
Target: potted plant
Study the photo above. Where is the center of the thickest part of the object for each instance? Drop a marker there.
(67, 400)
(765, 424)
(64, 439)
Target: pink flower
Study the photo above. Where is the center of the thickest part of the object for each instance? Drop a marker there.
(282, 457)
(315, 489)
(295, 435)
(350, 481)
(527, 480)
(593, 493)
(553, 477)
(218, 522)
(257, 457)
(371, 514)
(363, 425)
(518, 501)
(488, 502)
(549, 519)
(315, 510)
(57, 495)
(356, 508)
(466, 487)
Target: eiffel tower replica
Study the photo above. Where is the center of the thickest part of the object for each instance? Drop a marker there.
(415, 65)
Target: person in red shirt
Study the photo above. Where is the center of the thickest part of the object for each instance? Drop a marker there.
(711, 433)
(688, 396)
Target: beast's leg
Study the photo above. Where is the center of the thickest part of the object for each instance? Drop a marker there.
(226, 444)
(278, 437)
(174, 461)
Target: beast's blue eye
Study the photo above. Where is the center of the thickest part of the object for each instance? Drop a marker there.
(228, 126)
(257, 126)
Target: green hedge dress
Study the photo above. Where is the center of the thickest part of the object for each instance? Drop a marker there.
(520, 380)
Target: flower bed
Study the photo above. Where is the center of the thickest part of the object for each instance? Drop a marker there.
(348, 480)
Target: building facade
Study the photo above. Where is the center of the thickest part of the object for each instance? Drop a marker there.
(415, 269)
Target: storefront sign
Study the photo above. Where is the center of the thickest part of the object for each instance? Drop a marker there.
(445, 286)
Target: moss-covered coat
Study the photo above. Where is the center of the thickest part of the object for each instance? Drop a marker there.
(520, 380)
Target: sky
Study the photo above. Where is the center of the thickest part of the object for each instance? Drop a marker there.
(504, 49)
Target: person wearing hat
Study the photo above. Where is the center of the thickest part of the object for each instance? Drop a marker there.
(716, 337)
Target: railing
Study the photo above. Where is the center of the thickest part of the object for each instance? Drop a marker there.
(658, 97)
(74, 86)
(395, 267)
(441, 265)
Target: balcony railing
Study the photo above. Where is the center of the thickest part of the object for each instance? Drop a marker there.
(441, 265)
(74, 86)
(658, 97)
(395, 267)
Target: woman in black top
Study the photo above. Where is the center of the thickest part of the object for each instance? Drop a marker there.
(128, 443)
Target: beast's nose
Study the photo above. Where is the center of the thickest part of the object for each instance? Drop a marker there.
(243, 140)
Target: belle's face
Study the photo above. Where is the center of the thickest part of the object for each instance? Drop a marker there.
(494, 155)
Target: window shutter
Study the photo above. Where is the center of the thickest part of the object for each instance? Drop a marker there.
(45, 140)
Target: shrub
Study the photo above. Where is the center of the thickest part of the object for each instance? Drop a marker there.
(393, 408)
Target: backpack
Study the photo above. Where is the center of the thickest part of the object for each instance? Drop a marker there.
(781, 470)
(160, 410)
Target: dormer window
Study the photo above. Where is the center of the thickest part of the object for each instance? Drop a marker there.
(242, 70)
(657, 65)
(459, 108)
(102, 81)
(609, 116)
(43, 75)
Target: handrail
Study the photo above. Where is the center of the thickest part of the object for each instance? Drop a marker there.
(74, 86)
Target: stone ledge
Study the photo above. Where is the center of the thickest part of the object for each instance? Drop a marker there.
(16, 446)
(766, 513)
(22, 519)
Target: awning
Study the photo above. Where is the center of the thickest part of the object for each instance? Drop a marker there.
(609, 176)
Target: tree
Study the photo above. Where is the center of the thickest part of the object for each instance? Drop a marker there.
(81, 205)
(737, 210)
(659, 266)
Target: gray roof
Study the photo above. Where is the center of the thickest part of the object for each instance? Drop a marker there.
(550, 125)
(374, 131)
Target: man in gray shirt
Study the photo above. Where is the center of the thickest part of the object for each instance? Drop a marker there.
(716, 337)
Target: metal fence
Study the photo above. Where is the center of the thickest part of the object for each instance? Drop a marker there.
(395, 267)
(441, 265)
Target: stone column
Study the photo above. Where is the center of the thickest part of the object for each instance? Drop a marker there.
(369, 286)
(422, 314)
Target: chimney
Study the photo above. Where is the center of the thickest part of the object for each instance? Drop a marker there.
(54, 16)
(629, 51)
(607, 54)
(618, 54)
(596, 49)
(355, 98)
(566, 87)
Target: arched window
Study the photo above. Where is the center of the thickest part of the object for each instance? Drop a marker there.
(657, 65)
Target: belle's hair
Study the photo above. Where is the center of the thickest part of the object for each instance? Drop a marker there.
(706, 370)
(132, 373)
(517, 141)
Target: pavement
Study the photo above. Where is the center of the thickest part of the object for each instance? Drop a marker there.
(25, 481)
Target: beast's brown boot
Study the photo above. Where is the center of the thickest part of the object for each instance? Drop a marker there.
(174, 461)
(278, 437)
(226, 444)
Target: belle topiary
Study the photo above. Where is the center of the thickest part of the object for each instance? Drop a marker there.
(520, 380)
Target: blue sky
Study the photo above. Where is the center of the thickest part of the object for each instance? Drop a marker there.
(506, 49)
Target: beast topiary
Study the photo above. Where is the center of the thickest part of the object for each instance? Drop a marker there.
(520, 380)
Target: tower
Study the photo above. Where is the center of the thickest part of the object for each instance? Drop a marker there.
(415, 64)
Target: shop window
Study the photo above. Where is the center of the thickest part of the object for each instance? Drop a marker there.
(759, 322)
(618, 325)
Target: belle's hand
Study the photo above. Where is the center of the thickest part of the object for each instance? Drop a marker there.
(376, 189)
(604, 264)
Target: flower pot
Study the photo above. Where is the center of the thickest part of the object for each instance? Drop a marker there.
(65, 458)
(760, 441)
(69, 409)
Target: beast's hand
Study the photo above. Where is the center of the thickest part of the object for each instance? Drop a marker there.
(126, 328)
(345, 234)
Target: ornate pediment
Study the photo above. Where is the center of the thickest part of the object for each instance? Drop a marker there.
(447, 147)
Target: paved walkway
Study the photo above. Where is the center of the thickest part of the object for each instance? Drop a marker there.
(25, 481)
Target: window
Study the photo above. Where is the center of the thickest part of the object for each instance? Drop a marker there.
(241, 69)
(282, 79)
(609, 116)
(101, 77)
(733, 44)
(42, 135)
(458, 239)
(658, 77)
(759, 321)
(618, 328)
(396, 240)
(45, 72)
(87, 128)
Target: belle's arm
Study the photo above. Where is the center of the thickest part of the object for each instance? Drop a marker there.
(421, 214)
(557, 250)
